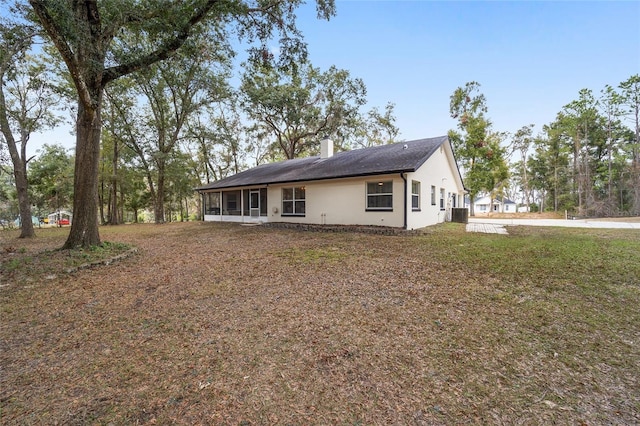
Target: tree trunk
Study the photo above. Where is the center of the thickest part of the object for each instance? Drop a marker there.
(19, 161)
(84, 225)
(115, 218)
(103, 221)
(555, 189)
(158, 208)
(635, 169)
(472, 199)
(24, 205)
(20, 174)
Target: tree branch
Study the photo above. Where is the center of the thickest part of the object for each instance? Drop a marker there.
(164, 51)
(55, 32)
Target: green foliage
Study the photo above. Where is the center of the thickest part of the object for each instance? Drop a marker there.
(477, 147)
(101, 42)
(587, 160)
(150, 114)
(51, 178)
(373, 128)
(26, 104)
(296, 107)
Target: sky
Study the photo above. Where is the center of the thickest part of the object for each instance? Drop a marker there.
(530, 57)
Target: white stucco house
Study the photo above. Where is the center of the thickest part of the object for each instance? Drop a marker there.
(500, 205)
(406, 185)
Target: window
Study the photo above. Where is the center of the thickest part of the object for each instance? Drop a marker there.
(293, 201)
(433, 195)
(415, 195)
(441, 198)
(380, 195)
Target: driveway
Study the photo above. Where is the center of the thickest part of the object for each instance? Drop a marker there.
(578, 223)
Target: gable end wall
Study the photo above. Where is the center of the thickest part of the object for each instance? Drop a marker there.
(440, 171)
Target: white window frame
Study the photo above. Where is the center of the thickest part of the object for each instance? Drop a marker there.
(415, 195)
(379, 194)
(295, 201)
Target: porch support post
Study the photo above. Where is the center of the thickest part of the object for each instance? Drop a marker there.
(406, 199)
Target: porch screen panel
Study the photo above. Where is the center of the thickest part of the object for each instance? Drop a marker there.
(246, 202)
(263, 201)
(212, 203)
(231, 203)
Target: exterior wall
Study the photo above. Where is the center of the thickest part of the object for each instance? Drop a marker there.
(339, 202)
(330, 202)
(440, 171)
(344, 201)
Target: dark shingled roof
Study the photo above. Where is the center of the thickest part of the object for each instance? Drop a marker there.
(383, 159)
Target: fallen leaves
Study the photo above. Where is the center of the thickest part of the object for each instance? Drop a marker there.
(222, 324)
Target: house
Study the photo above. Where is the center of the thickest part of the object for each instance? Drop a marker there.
(61, 217)
(406, 185)
(500, 205)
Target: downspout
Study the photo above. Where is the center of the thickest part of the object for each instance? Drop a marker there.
(404, 178)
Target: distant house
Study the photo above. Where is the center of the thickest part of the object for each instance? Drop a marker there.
(407, 185)
(500, 205)
(61, 217)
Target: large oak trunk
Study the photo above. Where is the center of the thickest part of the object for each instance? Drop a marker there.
(20, 174)
(84, 226)
(158, 208)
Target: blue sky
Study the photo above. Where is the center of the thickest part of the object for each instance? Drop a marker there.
(530, 57)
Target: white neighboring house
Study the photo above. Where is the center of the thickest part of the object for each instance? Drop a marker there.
(62, 216)
(406, 185)
(500, 205)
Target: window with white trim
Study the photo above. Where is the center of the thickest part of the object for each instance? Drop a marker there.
(380, 196)
(433, 195)
(441, 198)
(294, 201)
(415, 195)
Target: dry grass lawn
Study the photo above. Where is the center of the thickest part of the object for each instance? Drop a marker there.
(232, 325)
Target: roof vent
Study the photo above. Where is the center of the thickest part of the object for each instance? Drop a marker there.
(326, 148)
(405, 146)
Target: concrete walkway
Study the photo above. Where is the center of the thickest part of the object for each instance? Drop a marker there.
(496, 226)
(487, 228)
